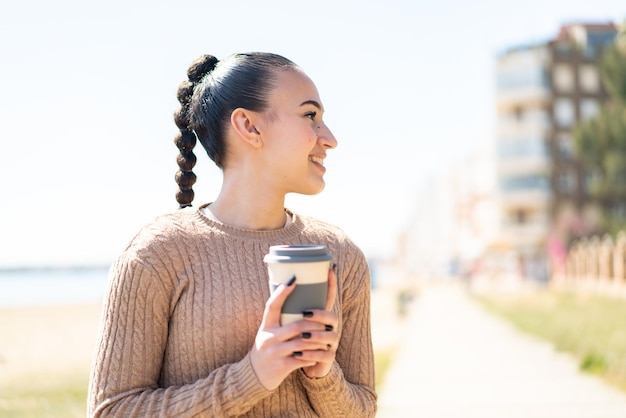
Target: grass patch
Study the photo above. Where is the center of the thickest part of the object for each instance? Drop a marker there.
(66, 396)
(593, 363)
(590, 327)
(38, 397)
(382, 360)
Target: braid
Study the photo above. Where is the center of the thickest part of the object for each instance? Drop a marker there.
(185, 140)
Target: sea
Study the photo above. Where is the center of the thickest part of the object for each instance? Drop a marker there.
(52, 286)
(77, 285)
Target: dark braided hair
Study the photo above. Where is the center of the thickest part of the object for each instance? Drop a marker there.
(185, 140)
(213, 90)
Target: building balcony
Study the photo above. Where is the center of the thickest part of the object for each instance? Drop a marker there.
(531, 124)
(525, 165)
(538, 199)
(532, 96)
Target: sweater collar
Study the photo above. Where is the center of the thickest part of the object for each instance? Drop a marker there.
(293, 229)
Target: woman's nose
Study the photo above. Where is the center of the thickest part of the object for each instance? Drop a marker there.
(326, 137)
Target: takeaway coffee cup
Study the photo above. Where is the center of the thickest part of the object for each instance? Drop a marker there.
(310, 264)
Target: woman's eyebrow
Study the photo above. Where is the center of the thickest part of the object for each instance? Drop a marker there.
(313, 103)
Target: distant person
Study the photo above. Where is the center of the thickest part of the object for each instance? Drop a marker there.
(189, 327)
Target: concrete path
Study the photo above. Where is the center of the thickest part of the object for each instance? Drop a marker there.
(459, 361)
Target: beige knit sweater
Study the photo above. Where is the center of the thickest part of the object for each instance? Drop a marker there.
(184, 303)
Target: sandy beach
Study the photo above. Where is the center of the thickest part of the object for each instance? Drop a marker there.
(50, 342)
(46, 353)
(46, 342)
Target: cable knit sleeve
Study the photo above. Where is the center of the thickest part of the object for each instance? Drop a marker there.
(130, 351)
(349, 389)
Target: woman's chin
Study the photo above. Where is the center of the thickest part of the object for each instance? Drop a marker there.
(312, 189)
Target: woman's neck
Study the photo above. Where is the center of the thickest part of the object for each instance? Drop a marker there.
(249, 207)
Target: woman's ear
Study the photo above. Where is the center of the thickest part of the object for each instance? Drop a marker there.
(244, 123)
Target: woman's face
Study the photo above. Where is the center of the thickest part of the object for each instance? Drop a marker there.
(295, 136)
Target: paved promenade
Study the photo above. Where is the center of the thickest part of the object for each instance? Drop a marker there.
(458, 361)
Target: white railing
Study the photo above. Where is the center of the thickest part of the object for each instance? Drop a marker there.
(597, 264)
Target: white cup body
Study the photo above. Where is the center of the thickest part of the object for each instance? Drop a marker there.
(311, 287)
(309, 263)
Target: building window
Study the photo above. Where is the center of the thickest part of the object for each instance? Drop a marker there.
(564, 112)
(588, 78)
(592, 180)
(596, 41)
(523, 69)
(565, 145)
(537, 116)
(521, 78)
(567, 181)
(563, 78)
(524, 183)
(588, 108)
(522, 147)
(619, 210)
(588, 180)
(563, 49)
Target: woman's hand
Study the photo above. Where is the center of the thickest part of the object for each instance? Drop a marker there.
(325, 341)
(309, 344)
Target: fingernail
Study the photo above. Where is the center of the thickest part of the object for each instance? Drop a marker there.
(306, 335)
(291, 281)
(297, 353)
(307, 314)
(328, 327)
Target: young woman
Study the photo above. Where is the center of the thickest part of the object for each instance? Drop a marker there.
(189, 327)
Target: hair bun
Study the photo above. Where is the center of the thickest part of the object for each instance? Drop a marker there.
(181, 118)
(185, 140)
(184, 197)
(185, 92)
(201, 67)
(186, 161)
(185, 179)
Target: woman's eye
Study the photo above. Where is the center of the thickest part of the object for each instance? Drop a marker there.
(311, 115)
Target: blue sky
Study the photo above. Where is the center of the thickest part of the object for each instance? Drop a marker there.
(87, 94)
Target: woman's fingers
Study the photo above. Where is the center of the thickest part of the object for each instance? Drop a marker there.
(323, 357)
(271, 316)
(327, 319)
(319, 340)
(324, 336)
(309, 344)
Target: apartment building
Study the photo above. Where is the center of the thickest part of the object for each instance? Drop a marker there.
(542, 91)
